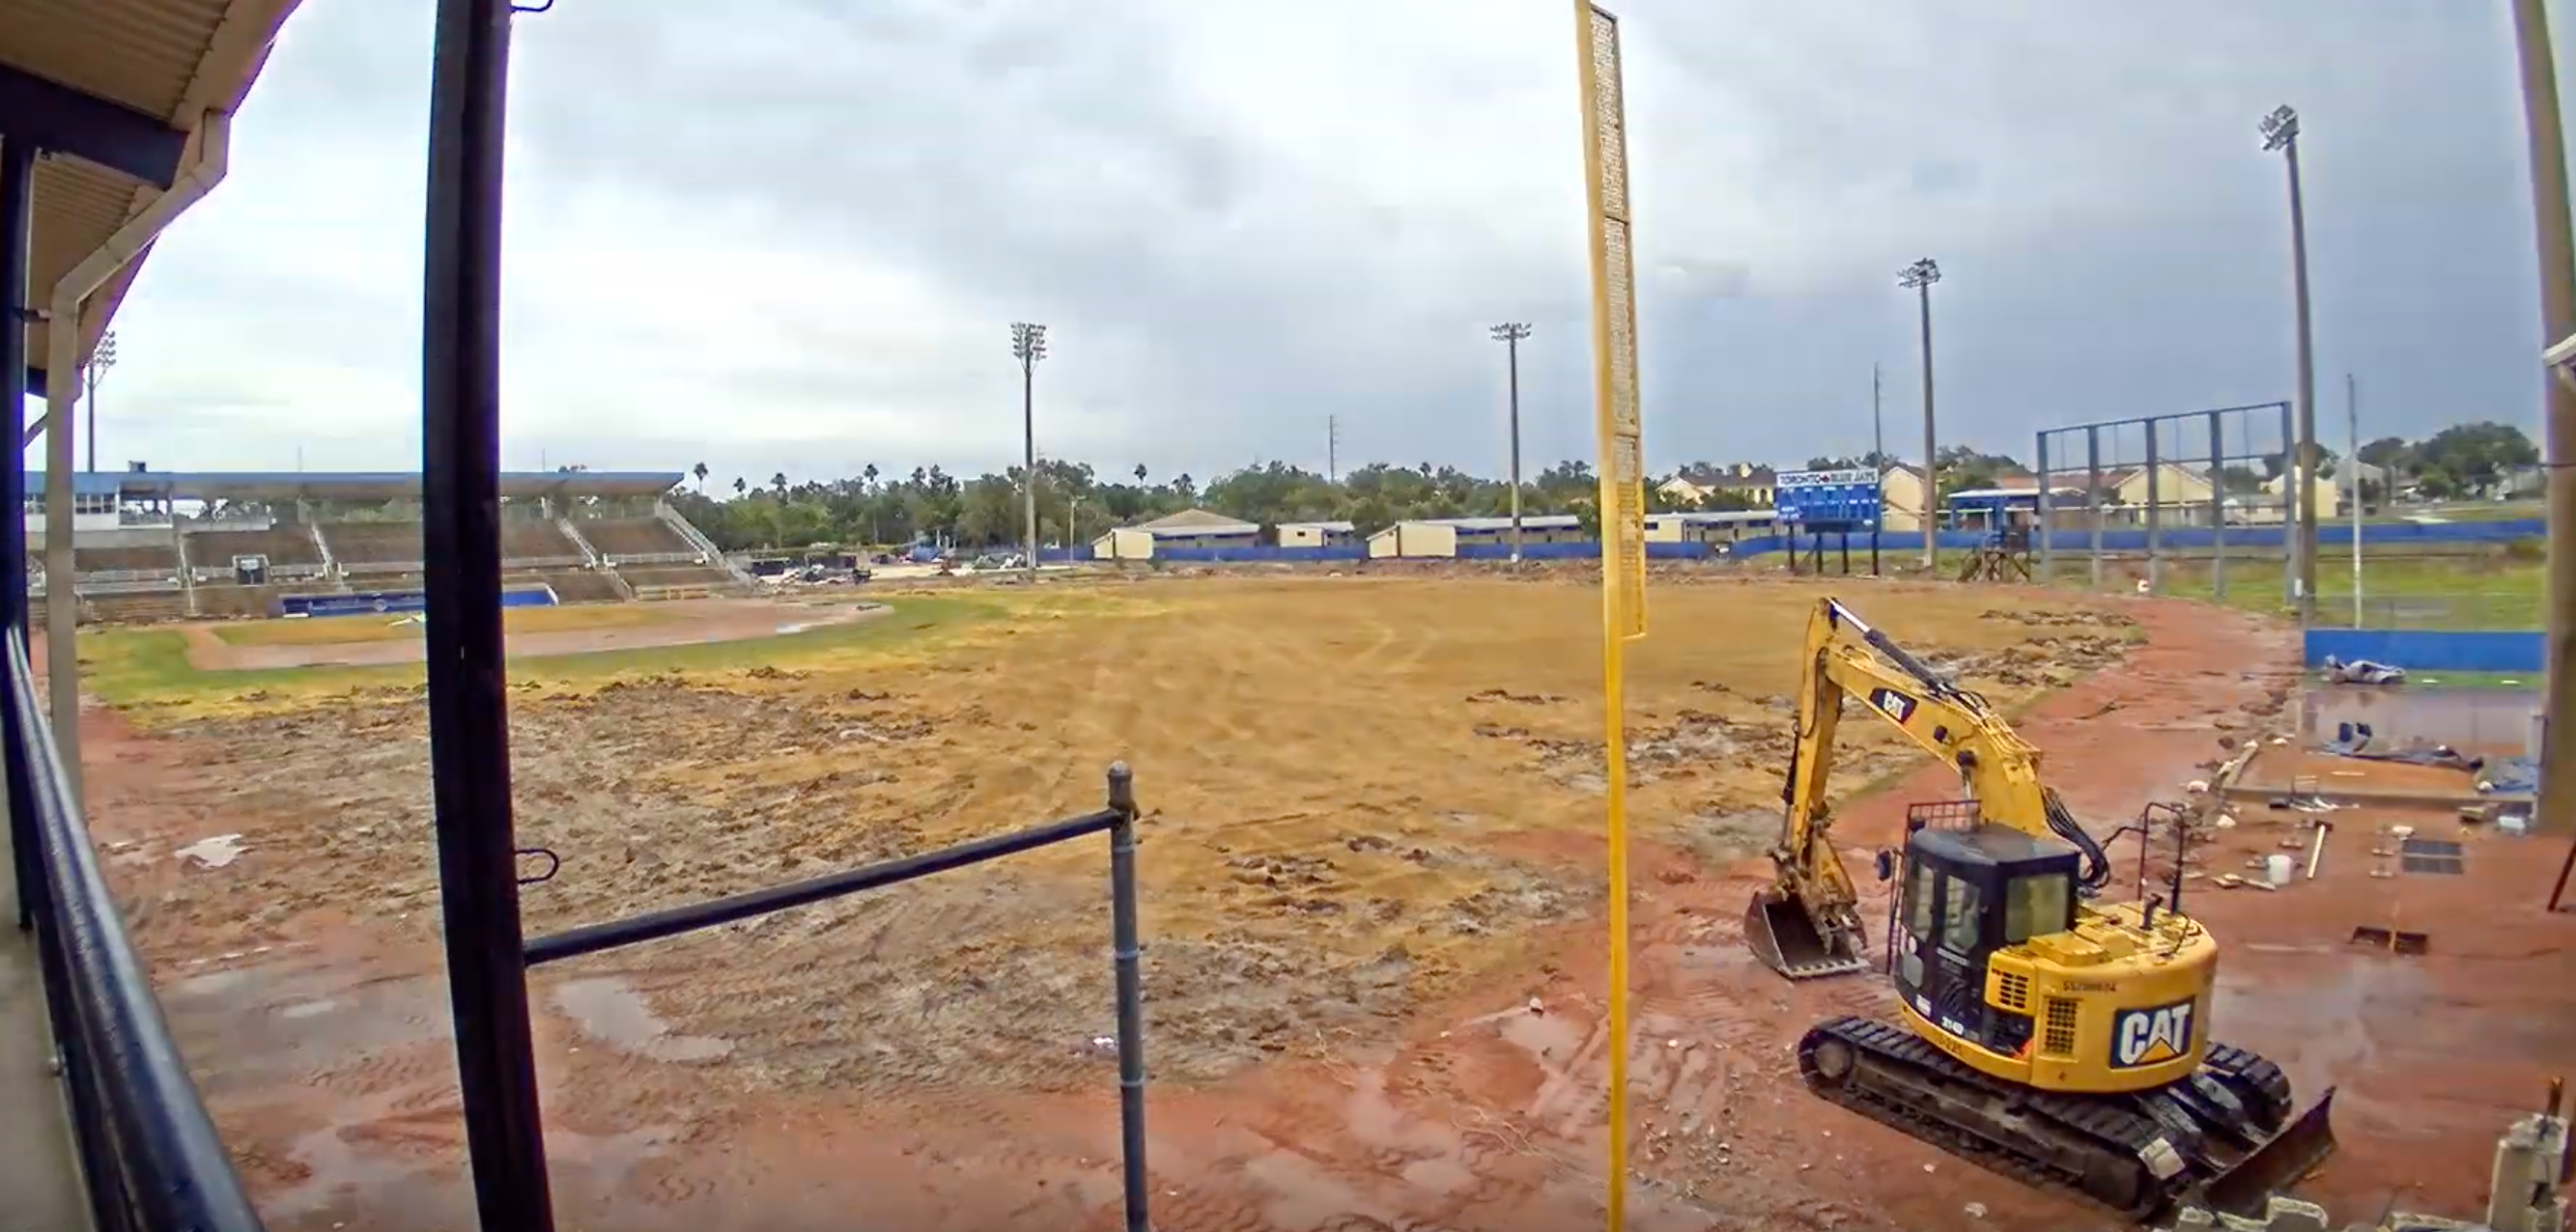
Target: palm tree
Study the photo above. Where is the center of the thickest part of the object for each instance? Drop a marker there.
(1140, 472)
(739, 487)
(700, 470)
(779, 481)
(870, 474)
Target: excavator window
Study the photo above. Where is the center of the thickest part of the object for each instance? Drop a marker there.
(1921, 875)
(1962, 916)
(2036, 905)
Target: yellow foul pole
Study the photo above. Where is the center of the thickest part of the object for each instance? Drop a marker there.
(1623, 505)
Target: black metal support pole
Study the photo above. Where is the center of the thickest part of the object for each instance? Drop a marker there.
(469, 736)
(673, 921)
(2217, 505)
(17, 231)
(1127, 953)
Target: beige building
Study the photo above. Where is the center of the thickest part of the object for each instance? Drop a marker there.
(1900, 498)
(1314, 534)
(1725, 526)
(1190, 528)
(1442, 537)
(1758, 485)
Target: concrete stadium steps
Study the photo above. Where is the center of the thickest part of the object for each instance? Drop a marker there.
(290, 546)
(616, 537)
(374, 543)
(537, 541)
(133, 558)
(583, 586)
(135, 607)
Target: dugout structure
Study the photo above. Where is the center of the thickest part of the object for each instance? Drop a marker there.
(2196, 489)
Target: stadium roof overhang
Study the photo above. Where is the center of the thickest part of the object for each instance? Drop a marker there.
(357, 486)
(114, 95)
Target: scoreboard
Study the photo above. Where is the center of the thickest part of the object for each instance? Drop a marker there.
(1827, 500)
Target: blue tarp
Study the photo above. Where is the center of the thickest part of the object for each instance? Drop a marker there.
(2511, 776)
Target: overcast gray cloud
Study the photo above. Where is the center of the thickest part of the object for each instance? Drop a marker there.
(790, 234)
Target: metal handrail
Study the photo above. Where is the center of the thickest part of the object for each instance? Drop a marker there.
(148, 1150)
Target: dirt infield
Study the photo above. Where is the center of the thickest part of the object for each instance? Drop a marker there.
(1373, 845)
(216, 646)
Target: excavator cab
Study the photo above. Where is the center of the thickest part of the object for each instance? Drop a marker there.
(1968, 892)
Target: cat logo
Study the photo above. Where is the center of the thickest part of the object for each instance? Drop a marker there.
(2150, 1036)
(1893, 704)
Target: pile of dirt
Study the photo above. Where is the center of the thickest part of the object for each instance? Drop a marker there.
(2062, 617)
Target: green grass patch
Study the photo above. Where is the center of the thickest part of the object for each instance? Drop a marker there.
(146, 668)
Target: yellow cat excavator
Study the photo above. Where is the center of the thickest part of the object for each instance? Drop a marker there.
(2039, 1034)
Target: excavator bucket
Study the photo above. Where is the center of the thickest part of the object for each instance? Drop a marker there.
(2248, 1185)
(1779, 932)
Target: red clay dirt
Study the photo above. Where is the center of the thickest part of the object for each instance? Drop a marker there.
(1487, 1113)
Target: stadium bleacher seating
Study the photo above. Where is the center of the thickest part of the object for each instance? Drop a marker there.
(623, 537)
(537, 541)
(286, 547)
(151, 558)
(376, 544)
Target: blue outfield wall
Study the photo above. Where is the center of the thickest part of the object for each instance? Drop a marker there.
(375, 602)
(2182, 539)
(2190, 538)
(2429, 650)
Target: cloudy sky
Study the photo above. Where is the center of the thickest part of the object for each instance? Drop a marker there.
(790, 234)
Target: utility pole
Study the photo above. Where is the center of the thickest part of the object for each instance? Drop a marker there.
(2352, 471)
(1332, 448)
(2557, 253)
(1919, 278)
(2281, 132)
(100, 360)
(1877, 424)
(1028, 345)
(1510, 333)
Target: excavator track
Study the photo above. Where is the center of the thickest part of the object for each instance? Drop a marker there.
(2135, 1153)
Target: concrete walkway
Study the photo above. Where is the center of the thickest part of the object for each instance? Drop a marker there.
(38, 1171)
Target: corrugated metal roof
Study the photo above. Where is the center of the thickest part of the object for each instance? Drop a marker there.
(171, 59)
(353, 485)
(1532, 521)
(1342, 528)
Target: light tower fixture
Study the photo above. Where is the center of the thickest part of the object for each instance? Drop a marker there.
(1028, 345)
(1919, 278)
(2280, 131)
(2280, 128)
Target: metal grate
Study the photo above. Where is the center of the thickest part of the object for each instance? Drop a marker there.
(1943, 815)
(2059, 1038)
(2432, 855)
(2012, 991)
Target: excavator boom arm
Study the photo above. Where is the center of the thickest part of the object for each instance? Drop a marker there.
(1996, 767)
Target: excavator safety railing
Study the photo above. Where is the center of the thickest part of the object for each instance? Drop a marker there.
(148, 1151)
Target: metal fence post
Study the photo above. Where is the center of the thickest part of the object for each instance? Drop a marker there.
(2289, 512)
(17, 230)
(2047, 574)
(2093, 495)
(2217, 506)
(2155, 510)
(1126, 953)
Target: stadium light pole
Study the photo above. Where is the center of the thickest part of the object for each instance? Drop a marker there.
(1028, 345)
(1510, 333)
(2281, 132)
(2556, 249)
(100, 360)
(1919, 278)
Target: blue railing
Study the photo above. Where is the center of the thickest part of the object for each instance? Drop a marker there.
(148, 1151)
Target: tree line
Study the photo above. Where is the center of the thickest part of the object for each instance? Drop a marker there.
(1078, 502)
